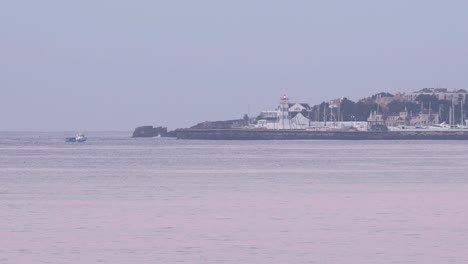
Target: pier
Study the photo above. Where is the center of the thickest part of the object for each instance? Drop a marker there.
(290, 134)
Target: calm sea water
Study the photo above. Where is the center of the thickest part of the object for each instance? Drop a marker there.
(115, 199)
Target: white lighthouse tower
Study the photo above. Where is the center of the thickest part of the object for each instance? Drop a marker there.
(284, 121)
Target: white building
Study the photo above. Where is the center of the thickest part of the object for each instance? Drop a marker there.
(286, 116)
(298, 120)
(299, 107)
(283, 113)
(268, 120)
(441, 94)
(296, 116)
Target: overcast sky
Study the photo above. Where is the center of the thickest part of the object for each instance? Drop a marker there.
(115, 65)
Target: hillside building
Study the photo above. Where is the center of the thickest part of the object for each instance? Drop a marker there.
(441, 94)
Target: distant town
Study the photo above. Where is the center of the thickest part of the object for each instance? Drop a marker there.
(428, 108)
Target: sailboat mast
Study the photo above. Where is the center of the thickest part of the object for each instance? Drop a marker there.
(324, 114)
(420, 113)
(452, 114)
(450, 117)
(430, 114)
(462, 120)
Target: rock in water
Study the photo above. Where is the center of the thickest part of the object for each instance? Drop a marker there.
(149, 131)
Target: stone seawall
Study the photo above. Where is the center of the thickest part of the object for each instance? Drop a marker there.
(260, 134)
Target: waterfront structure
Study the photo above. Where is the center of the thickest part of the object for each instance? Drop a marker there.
(376, 118)
(338, 126)
(299, 107)
(425, 118)
(270, 134)
(298, 120)
(404, 118)
(398, 119)
(298, 116)
(284, 121)
(268, 120)
(286, 116)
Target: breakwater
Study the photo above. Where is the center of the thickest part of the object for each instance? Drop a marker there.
(264, 134)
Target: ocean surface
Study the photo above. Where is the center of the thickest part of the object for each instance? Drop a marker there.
(115, 199)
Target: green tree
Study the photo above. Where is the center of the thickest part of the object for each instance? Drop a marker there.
(347, 108)
(324, 107)
(444, 110)
(428, 100)
(246, 119)
(397, 106)
(362, 110)
(314, 115)
(382, 94)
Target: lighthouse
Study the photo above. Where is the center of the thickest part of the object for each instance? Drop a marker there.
(284, 121)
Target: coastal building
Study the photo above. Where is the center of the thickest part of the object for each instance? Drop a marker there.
(404, 118)
(299, 114)
(286, 116)
(441, 94)
(376, 118)
(424, 118)
(397, 119)
(268, 120)
(299, 121)
(299, 107)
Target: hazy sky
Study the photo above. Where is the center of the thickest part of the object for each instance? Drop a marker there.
(115, 65)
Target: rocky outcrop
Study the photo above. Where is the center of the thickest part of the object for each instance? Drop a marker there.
(149, 131)
(228, 124)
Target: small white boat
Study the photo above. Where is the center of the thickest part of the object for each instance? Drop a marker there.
(80, 137)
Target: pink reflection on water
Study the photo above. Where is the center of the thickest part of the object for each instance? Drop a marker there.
(265, 224)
